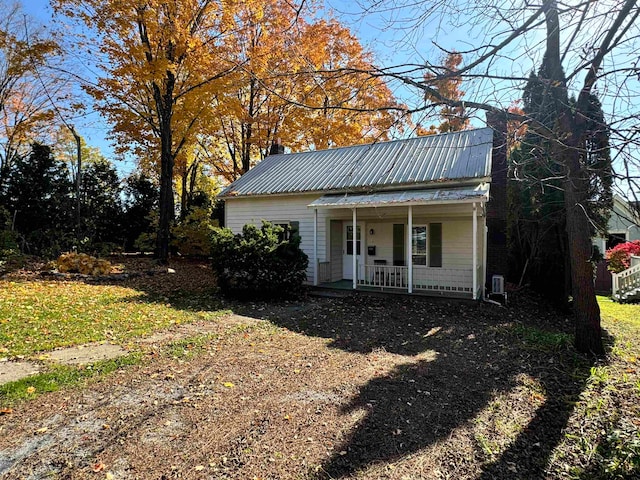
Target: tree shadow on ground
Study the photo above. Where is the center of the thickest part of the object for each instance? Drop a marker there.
(460, 356)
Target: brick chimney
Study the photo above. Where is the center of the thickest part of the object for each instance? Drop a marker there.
(497, 205)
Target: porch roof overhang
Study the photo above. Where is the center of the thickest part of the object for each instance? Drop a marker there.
(437, 196)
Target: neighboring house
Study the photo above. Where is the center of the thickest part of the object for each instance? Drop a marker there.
(421, 215)
(623, 226)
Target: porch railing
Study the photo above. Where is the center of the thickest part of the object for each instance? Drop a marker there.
(384, 276)
(324, 272)
(424, 278)
(626, 283)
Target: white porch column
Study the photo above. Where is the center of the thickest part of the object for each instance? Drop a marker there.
(355, 250)
(475, 253)
(316, 263)
(483, 279)
(409, 252)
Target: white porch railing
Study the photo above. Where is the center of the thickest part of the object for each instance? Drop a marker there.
(383, 276)
(626, 283)
(324, 272)
(433, 279)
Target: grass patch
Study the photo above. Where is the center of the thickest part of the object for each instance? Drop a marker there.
(608, 433)
(542, 339)
(60, 376)
(40, 316)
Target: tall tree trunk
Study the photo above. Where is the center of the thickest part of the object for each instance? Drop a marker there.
(588, 334)
(566, 148)
(184, 195)
(166, 205)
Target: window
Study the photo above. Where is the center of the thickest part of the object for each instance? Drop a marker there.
(614, 239)
(289, 229)
(419, 245)
(423, 245)
(350, 240)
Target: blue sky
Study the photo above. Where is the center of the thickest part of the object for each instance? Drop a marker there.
(394, 38)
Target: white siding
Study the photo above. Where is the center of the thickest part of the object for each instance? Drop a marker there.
(279, 209)
(455, 219)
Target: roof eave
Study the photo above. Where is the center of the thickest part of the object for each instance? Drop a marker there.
(367, 188)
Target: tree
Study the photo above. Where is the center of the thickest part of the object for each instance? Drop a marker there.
(101, 205)
(39, 200)
(539, 243)
(140, 200)
(25, 109)
(453, 118)
(160, 63)
(285, 94)
(573, 63)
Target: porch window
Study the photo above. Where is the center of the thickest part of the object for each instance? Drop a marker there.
(419, 245)
(420, 240)
(350, 240)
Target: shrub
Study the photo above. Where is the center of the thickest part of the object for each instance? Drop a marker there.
(191, 235)
(619, 257)
(256, 263)
(83, 263)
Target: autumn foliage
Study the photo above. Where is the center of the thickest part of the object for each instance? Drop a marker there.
(188, 80)
(447, 85)
(619, 257)
(83, 263)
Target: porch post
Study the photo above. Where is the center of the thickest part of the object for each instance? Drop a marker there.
(316, 263)
(409, 255)
(483, 279)
(475, 253)
(355, 250)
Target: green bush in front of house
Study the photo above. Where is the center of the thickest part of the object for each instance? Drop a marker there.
(259, 262)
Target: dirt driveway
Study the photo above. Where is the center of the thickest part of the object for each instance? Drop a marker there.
(356, 387)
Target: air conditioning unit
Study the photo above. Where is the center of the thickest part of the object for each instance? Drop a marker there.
(497, 289)
(497, 285)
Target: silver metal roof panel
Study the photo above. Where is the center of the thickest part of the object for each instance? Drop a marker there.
(434, 158)
(480, 193)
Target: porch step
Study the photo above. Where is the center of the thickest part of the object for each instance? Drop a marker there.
(632, 295)
(327, 292)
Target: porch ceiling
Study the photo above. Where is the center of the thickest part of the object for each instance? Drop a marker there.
(480, 193)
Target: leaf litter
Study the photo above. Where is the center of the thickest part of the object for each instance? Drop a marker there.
(355, 387)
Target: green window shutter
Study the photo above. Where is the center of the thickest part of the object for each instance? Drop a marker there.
(398, 244)
(435, 245)
(294, 229)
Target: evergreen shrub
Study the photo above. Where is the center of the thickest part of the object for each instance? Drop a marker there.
(259, 262)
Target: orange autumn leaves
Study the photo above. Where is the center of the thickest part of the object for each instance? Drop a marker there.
(232, 78)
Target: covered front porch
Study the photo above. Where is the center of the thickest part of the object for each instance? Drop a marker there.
(419, 242)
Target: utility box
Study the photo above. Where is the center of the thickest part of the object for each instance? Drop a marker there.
(498, 291)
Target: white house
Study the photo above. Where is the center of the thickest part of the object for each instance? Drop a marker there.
(417, 215)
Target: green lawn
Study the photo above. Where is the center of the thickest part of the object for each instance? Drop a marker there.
(40, 316)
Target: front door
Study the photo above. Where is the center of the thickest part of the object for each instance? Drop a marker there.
(347, 253)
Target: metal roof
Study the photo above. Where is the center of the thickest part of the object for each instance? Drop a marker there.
(405, 197)
(416, 161)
